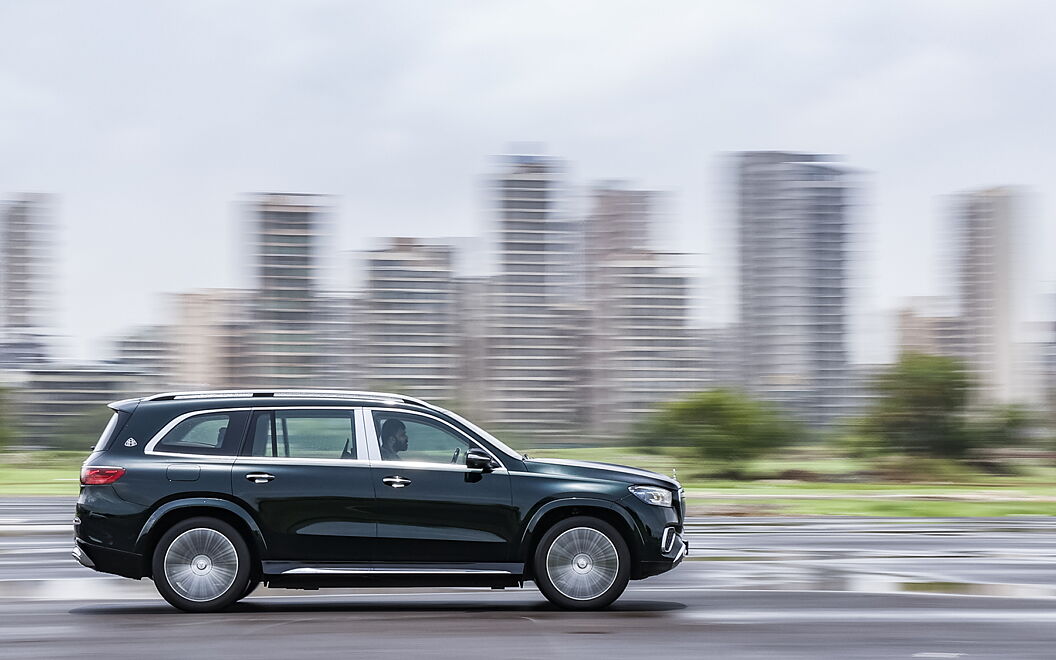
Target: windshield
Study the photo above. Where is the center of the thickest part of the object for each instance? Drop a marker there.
(495, 442)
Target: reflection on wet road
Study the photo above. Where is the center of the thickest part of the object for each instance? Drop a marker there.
(754, 588)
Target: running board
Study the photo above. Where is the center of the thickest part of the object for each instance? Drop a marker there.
(316, 575)
(300, 568)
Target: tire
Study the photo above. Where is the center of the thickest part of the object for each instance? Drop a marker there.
(201, 565)
(250, 588)
(582, 563)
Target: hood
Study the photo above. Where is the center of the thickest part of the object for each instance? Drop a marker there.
(594, 470)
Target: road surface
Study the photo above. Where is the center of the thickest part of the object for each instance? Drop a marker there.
(754, 588)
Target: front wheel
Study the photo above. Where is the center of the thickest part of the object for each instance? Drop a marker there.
(201, 565)
(582, 563)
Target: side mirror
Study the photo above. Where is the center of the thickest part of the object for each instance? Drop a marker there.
(478, 459)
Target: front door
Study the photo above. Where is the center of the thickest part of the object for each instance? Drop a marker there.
(432, 509)
(305, 475)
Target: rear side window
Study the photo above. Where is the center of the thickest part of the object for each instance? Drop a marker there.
(210, 433)
(108, 432)
(304, 434)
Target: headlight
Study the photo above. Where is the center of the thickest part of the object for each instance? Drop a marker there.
(652, 495)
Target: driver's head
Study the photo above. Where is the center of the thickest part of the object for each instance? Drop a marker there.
(394, 434)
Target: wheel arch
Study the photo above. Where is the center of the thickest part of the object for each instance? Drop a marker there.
(170, 513)
(553, 512)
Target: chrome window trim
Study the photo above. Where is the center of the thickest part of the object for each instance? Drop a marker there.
(269, 460)
(357, 412)
(374, 445)
(426, 465)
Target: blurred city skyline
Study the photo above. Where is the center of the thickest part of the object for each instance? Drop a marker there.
(149, 124)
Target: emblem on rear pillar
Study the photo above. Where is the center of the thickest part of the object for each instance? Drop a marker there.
(131, 442)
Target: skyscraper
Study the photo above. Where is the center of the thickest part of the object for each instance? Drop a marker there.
(208, 332)
(530, 364)
(26, 267)
(640, 348)
(793, 232)
(283, 347)
(985, 226)
(409, 321)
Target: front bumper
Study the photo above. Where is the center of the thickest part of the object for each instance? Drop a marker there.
(679, 551)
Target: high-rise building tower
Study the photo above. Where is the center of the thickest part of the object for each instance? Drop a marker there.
(208, 333)
(985, 227)
(793, 235)
(25, 262)
(410, 320)
(26, 267)
(641, 351)
(530, 364)
(283, 347)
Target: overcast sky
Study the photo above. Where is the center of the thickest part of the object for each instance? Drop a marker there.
(151, 120)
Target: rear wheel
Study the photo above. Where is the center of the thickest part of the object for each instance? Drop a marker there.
(251, 587)
(582, 563)
(201, 565)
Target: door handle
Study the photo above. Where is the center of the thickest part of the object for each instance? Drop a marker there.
(396, 481)
(260, 477)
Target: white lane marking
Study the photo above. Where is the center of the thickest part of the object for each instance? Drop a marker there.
(936, 654)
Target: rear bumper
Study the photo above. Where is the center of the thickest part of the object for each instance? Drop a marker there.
(108, 560)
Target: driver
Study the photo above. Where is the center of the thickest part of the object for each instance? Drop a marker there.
(393, 439)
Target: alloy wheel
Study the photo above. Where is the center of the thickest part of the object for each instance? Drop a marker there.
(201, 564)
(582, 563)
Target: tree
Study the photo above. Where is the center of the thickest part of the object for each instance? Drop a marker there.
(921, 406)
(1004, 426)
(723, 425)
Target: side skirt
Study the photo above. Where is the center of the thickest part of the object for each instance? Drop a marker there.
(301, 575)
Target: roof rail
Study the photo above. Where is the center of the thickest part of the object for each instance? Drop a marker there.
(245, 394)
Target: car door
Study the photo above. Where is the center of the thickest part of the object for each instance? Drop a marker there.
(304, 473)
(431, 508)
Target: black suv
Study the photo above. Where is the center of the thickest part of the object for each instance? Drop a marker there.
(212, 493)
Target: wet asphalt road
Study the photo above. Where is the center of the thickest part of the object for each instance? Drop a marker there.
(755, 588)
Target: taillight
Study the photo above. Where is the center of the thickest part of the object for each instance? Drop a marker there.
(94, 475)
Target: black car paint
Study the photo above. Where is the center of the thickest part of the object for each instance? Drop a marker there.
(453, 518)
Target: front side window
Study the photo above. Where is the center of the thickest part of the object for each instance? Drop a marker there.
(412, 438)
(210, 433)
(304, 434)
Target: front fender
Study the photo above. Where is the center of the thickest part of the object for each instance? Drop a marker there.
(579, 502)
(199, 502)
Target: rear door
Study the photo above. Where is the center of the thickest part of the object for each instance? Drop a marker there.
(192, 454)
(304, 473)
(431, 509)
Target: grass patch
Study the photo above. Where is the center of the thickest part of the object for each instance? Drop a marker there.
(40, 472)
(942, 488)
(869, 507)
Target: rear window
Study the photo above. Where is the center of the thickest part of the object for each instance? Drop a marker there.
(108, 432)
(209, 433)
